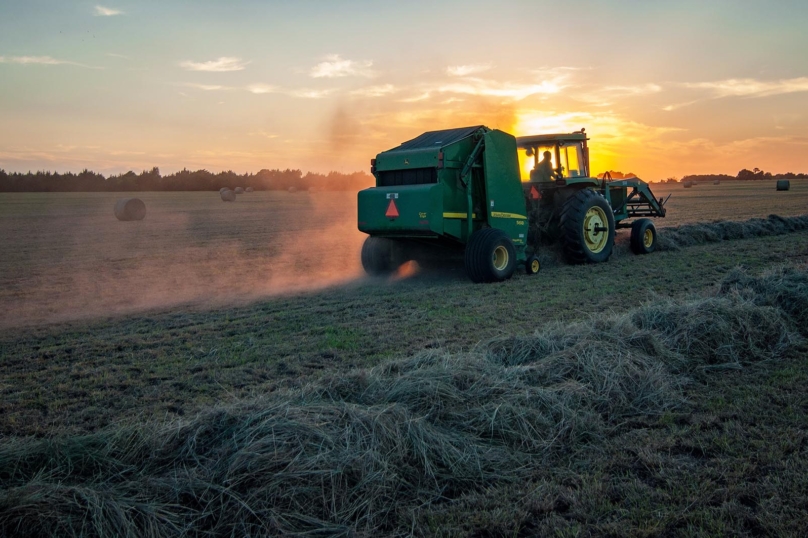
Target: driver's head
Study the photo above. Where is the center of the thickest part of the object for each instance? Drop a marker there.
(547, 155)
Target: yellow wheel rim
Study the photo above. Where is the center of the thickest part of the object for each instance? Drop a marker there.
(596, 229)
(648, 238)
(500, 258)
(534, 266)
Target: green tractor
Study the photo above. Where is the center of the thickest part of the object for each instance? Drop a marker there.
(497, 199)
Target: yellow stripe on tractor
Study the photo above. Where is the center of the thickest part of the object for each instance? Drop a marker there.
(499, 215)
(459, 215)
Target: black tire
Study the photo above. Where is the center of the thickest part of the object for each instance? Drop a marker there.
(532, 265)
(377, 256)
(583, 217)
(490, 256)
(643, 236)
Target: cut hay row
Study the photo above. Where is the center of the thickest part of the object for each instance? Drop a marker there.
(358, 453)
(700, 233)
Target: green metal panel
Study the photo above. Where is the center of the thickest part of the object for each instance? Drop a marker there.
(419, 207)
(617, 199)
(586, 181)
(399, 160)
(505, 200)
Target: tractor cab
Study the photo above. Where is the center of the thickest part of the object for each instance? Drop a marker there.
(552, 157)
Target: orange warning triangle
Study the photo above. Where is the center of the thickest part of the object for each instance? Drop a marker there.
(534, 193)
(392, 210)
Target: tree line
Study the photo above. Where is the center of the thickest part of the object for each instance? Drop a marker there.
(743, 175)
(184, 180)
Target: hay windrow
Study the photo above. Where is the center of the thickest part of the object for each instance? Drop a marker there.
(784, 288)
(357, 453)
(700, 233)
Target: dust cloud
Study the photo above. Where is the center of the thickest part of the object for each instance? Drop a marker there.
(67, 258)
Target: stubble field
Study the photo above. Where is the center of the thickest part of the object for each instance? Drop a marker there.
(65, 257)
(207, 307)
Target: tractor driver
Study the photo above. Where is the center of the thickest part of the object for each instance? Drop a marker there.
(543, 171)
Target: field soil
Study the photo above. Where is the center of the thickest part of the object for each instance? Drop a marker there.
(254, 316)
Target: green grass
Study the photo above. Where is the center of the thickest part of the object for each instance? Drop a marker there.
(82, 376)
(605, 426)
(724, 453)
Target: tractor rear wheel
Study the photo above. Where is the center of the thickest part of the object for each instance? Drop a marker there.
(490, 256)
(587, 227)
(377, 256)
(643, 236)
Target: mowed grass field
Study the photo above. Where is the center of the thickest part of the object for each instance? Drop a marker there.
(206, 305)
(65, 256)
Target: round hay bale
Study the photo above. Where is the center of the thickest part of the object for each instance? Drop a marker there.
(130, 209)
(783, 184)
(248, 189)
(717, 182)
(238, 190)
(228, 196)
(224, 189)
(687, 184)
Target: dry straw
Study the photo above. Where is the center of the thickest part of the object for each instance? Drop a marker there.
(356, 453)
(711, 232)
(130, 209)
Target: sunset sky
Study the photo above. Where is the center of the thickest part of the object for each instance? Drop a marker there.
(663, 88)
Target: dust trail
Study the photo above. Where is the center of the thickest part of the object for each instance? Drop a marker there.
(68, 258)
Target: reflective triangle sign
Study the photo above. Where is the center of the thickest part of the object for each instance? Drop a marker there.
(534, 194)
(392, 210)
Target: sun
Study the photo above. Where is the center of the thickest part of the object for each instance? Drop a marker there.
(532, 122)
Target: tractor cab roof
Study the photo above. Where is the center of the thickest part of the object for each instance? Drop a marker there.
(534, 140)
(437, 139)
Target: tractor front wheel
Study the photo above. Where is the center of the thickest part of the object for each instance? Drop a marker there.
(532, 265)
(377, 256)
(490, 256)
(643, 236)
(587, 225)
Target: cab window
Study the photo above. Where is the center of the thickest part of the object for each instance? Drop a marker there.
(572, 160)
(531, 157)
